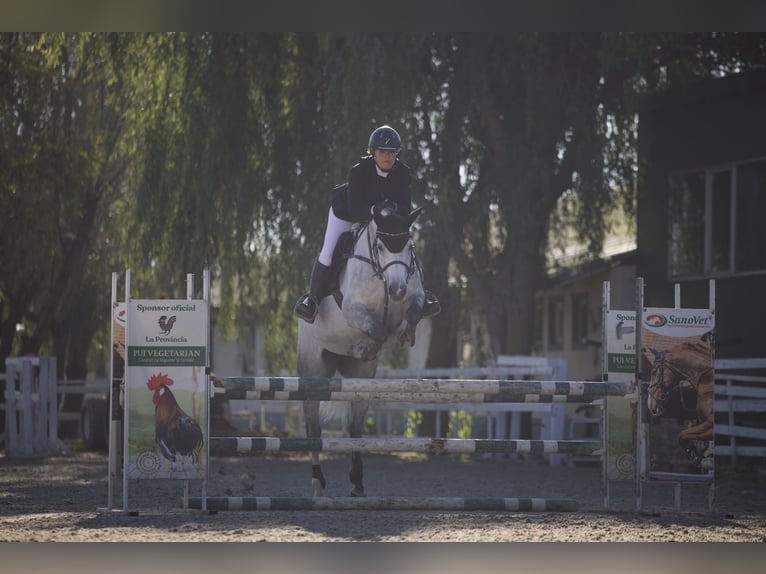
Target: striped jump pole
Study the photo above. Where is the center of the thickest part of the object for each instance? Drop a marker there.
(453, 386)
(229, 446)
(383, 396)
(386, 503)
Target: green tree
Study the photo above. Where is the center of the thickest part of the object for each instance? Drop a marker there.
(169, 153)
(66, 148)
(516, 122)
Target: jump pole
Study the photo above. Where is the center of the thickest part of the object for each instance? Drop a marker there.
(523, 394)
(232, 446)
(387, 503)
(509, 389)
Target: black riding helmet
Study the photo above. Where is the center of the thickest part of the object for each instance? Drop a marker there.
(385, 138)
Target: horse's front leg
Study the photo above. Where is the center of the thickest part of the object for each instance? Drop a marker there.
(702, 429)
(314, 430)
(407, 335)
(413, 315)
(360, 317)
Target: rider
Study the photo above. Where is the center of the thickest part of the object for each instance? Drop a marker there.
(378, 177)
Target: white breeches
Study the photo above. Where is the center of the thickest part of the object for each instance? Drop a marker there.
(335, 227)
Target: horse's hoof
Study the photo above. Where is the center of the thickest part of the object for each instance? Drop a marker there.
(317, 487)
(407, 336)
(369, 352)
(707, 463)
(318, 481)
(357, 492)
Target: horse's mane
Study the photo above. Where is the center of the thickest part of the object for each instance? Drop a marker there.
(693, 346)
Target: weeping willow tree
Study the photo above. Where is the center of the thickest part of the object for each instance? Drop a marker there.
(169, 153)
(513, 123)
(69, 117)
(251, 132)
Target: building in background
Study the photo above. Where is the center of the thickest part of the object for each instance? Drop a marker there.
(702, 204)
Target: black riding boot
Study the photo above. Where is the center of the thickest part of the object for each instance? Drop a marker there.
(307, 305)
(431, 305)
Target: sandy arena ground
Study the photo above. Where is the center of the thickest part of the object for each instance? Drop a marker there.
(58, 499)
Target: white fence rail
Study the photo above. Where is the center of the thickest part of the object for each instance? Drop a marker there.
(740, 402)
(508, 367)
(34, 404)
(30, 408)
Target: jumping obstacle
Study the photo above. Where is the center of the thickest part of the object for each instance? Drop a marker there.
(382, 396)
(386, 503)
(416, 390)
(518, 388)
(245, 445)
(443, 391)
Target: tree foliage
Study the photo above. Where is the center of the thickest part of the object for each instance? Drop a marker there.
(66, 150)
(170, 153)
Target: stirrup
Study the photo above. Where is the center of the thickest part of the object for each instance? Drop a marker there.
(307, 308)
(431, 305)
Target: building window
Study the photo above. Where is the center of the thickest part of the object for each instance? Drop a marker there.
(716, 221)
(580, 320)
(556, 323)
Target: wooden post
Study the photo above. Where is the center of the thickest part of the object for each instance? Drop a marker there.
(11, 428)
(27, 429)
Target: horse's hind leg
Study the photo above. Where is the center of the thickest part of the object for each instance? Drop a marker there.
(356, 427)
(313, 362)
(351, 368)
(314, 430)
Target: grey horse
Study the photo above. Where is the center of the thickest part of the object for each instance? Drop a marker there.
(379, 290)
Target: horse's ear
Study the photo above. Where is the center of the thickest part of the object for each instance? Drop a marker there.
(414, 214)
(658, 355)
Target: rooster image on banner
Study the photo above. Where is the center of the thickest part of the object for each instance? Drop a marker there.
(176, 433)
(166, 324)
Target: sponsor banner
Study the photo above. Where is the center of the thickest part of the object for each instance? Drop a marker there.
(677, 323)
(621, 367)
(621, 345)
(677, 349)
(166, 356)
(166, 389)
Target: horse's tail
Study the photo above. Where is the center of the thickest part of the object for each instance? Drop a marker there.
(332, 412)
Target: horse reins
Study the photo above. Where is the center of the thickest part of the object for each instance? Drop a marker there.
(374, 261)
(682, 376)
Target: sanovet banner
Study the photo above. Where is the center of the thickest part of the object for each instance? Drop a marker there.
(621, 367)
(166, 390)
(678, 322)
(677, 349)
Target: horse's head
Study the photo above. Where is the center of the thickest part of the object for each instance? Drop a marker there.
(392, 249)
(687, 366)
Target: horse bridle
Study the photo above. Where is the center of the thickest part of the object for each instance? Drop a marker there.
(662, 394)
(374, 261)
